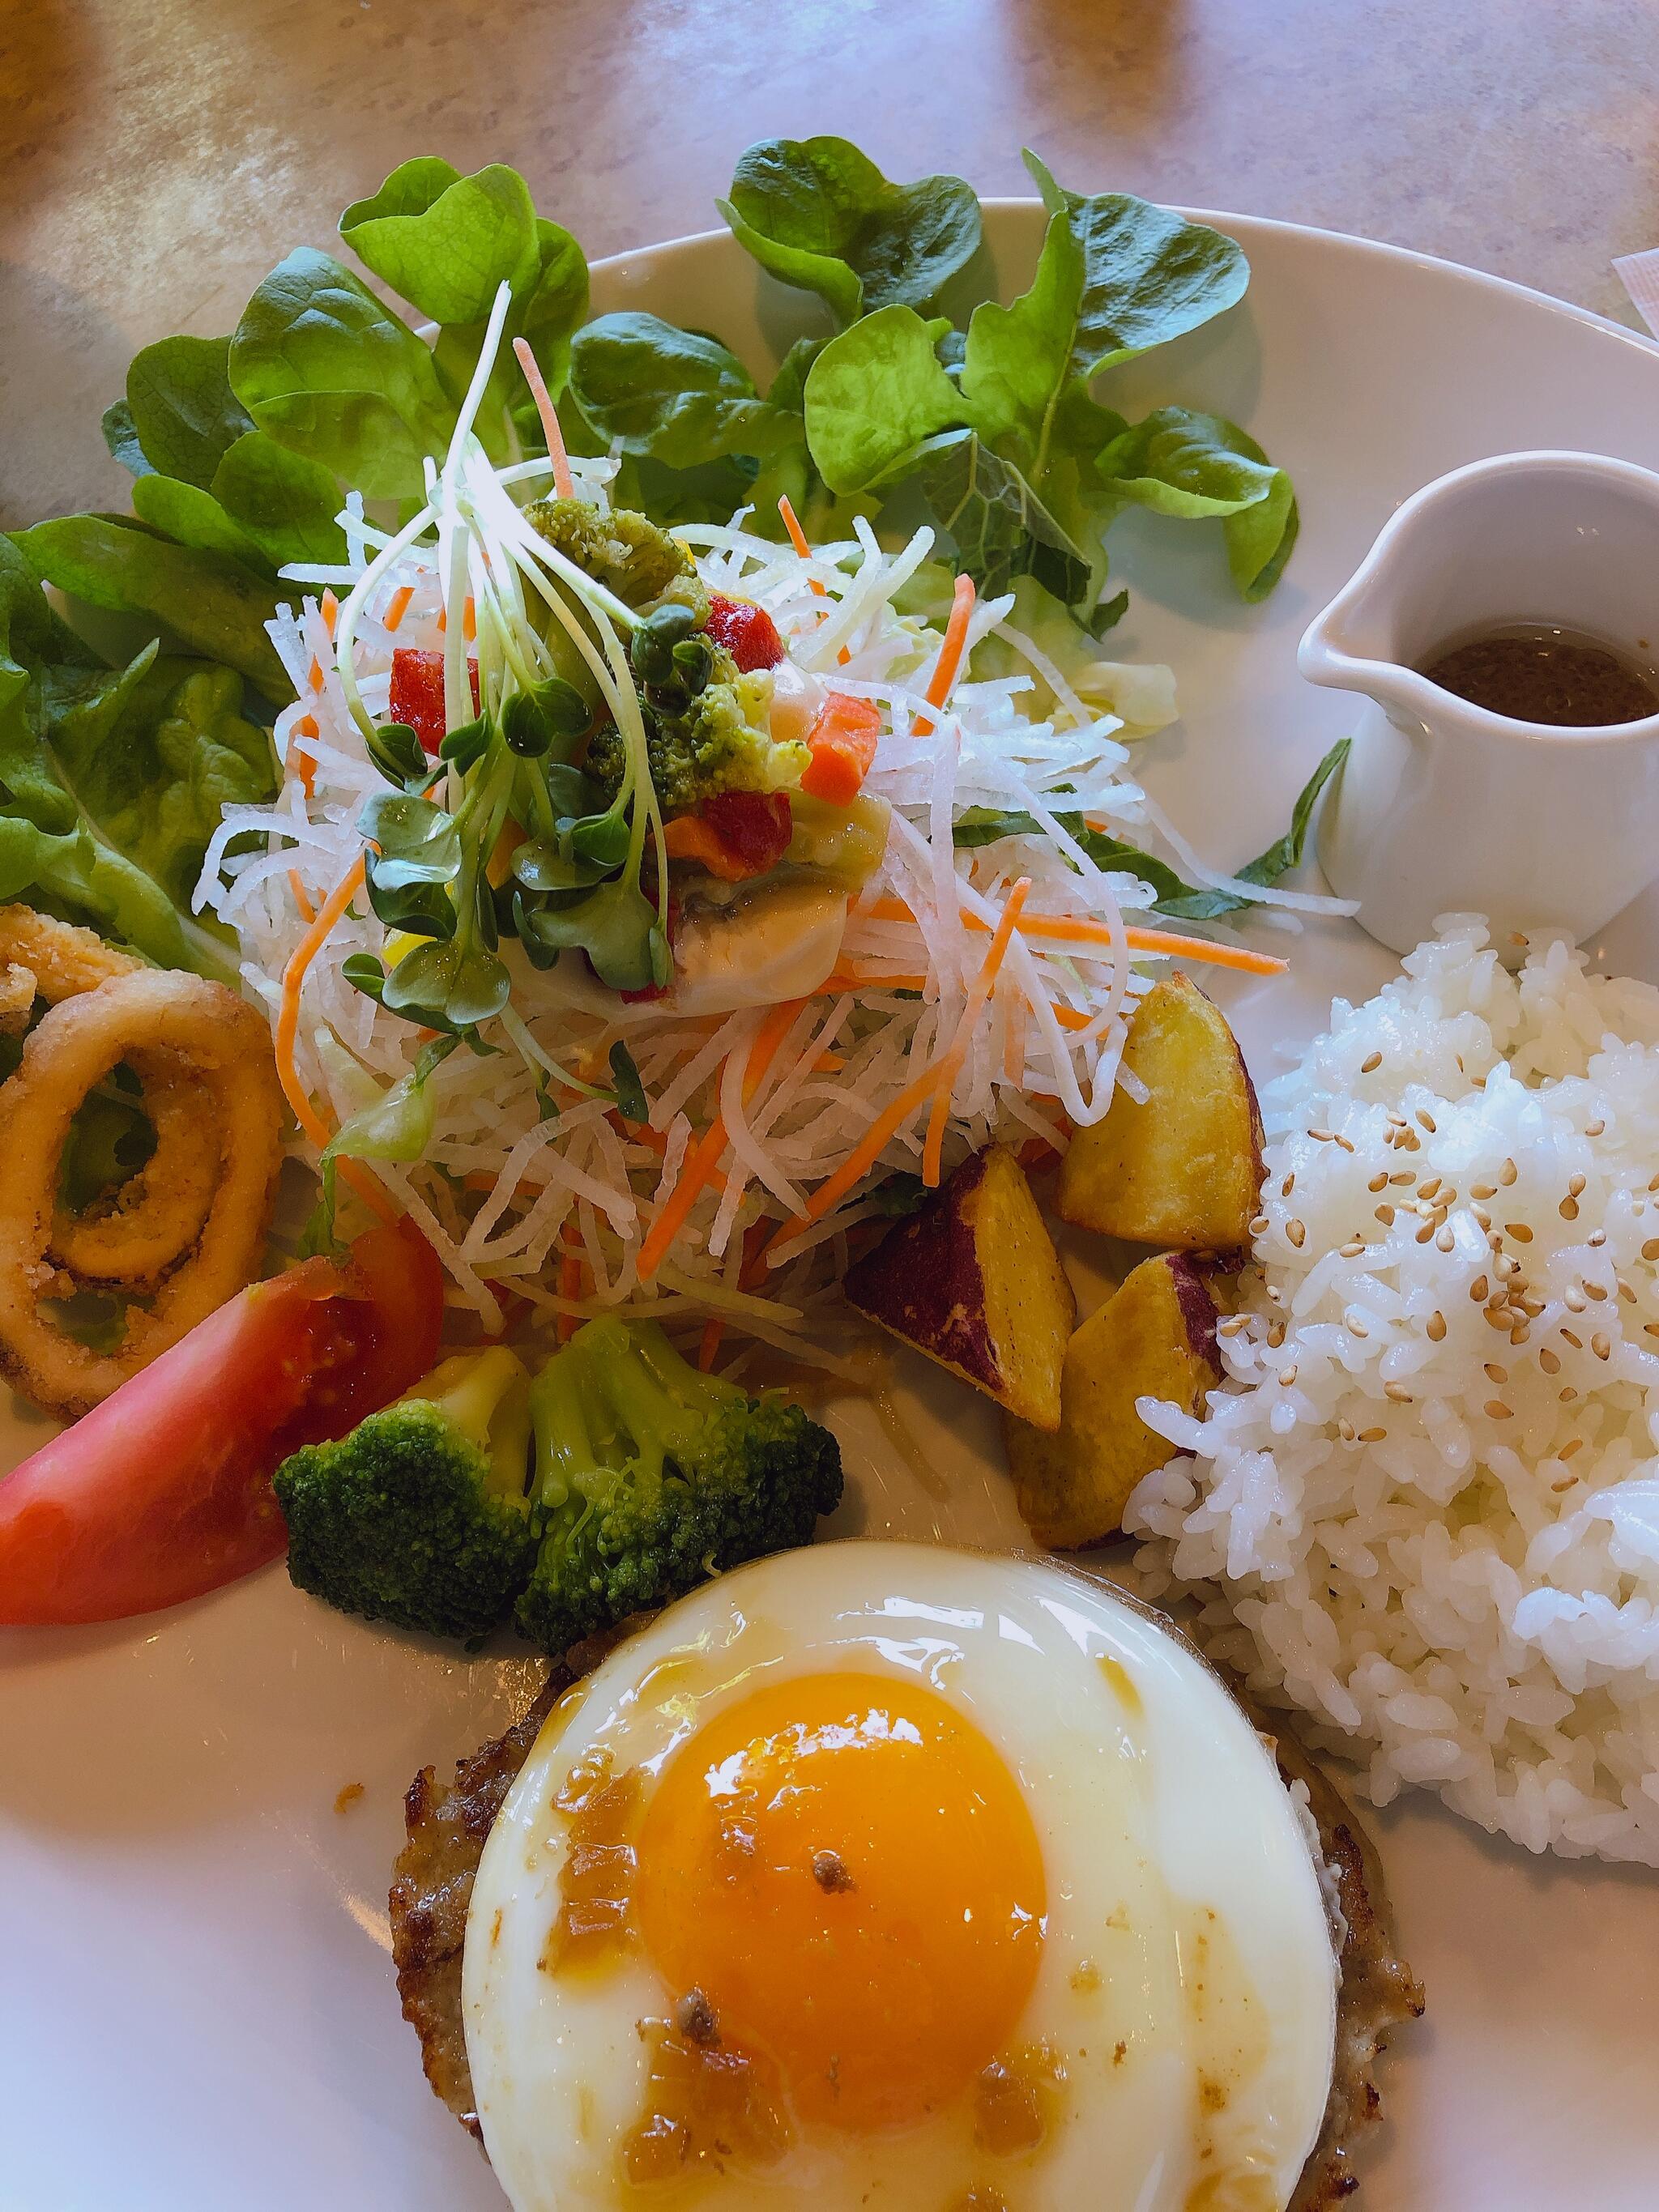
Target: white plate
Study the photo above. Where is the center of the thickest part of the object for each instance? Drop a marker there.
(198, 2007)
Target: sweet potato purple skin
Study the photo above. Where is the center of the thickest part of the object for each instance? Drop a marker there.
(973, 1281)
(924, 1282)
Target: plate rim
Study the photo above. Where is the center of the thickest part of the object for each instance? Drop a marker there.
(1278, 226)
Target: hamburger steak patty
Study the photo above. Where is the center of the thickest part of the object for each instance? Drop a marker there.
(448, 1824)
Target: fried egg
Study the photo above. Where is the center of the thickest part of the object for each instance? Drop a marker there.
(874, 1874)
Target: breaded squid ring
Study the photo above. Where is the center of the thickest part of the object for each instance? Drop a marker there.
(228, 1046)
(157, 1215)
(64, 959)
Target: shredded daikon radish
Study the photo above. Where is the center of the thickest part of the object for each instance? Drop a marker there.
(505, 1180)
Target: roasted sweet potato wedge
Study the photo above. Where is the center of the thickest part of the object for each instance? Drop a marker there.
(973, 1281)
(1154, 1337)
(1185, 1168)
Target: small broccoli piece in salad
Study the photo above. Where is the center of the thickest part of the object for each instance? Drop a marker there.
(719, 742)
(625, 551)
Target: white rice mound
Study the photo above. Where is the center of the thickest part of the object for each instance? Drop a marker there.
(1425, 1507)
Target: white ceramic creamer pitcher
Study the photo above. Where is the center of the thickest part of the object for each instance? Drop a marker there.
(1443, 806)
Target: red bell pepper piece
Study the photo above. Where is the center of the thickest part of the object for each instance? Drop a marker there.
(748, 633)
(417, 694)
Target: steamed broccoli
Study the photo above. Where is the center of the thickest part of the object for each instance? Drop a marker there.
(628, 553)
(712, 747)
(645, 1477)
(649, 1476)
(420, 1517)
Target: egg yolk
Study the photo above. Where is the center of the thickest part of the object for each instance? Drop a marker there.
(846, 1868)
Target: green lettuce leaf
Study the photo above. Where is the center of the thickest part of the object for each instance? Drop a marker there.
(330, 371)
(153, 754)
(209, 599)
(1000, 528)
(678, 396)
(196, 518)
(183, 411)
(1180, 463)
(873, 395)
(1149, 274)
(1018, 359)
(110, 781)
(284, 502)
(1140, 693)
(819, 214)
(445, 242)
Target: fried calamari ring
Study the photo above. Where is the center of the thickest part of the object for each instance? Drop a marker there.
(64, 959)
(157, 1214)
(227, 1048)
(18, 990)
(148, 1221)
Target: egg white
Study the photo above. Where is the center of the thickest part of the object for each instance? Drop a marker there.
(1187, 1984)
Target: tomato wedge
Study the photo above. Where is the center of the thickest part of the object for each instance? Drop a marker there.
(417, 694)
(748, 632)
(163, 1492)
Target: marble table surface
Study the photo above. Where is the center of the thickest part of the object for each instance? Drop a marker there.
(156, 157)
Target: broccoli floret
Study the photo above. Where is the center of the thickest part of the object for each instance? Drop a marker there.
(715, 745)
(649, 1476)
(628, 553)
(421, 1515)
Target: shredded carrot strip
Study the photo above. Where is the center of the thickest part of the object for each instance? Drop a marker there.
(470, 620)
(316, 677)
(798, 539)
(870, 1146)
(443, 619)
(710, 1147)
(288, 1028)
(1073, 930)
(984, 984)
(306, 770)
(331, 611)
(563, 483)
(301, 897)
(398, 606)
(948, 666)
(638, 1132)
(874, 979)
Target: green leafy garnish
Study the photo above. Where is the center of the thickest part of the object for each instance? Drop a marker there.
(819, 214)
(983, 825)
(631, 1102)
(1195, 466)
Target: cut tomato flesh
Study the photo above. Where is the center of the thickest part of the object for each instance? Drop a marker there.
(417, 694)
(163, 1493)
(748, 633)
(753, 827)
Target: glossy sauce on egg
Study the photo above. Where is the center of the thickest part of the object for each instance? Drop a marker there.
(881, 1876)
